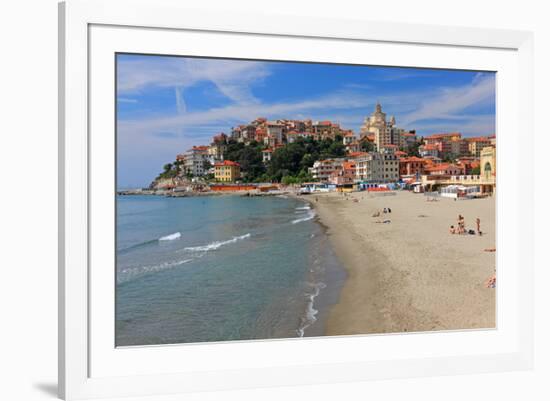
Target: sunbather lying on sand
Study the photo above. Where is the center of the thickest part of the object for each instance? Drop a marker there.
(383, 221)
(491, 281)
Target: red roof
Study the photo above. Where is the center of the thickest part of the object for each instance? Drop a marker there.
(227, 163)
(412, 159)
(348, 165)
(356, 154)
(443, 135)
(479, 139)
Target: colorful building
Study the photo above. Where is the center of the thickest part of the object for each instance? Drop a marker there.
(227, 171)
(411, 166)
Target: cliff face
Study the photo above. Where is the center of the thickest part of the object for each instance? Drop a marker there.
(163, 183)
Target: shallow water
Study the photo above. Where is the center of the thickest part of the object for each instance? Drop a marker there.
(220, 268)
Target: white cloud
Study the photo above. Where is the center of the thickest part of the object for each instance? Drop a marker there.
(233, 78)
(414, 110)
(449, 102)
(126, 100)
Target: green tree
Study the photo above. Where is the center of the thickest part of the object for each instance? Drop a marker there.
(252, 166)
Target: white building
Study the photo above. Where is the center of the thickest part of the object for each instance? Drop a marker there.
(369, 167)
(266, 155)
(322, 169)
(377, 167)
(194, 161)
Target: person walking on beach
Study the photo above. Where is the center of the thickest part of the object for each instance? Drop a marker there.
(478, 224)
(460, 224)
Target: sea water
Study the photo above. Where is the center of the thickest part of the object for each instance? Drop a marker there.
(221, 268)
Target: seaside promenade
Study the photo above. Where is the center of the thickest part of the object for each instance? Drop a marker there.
(410, 274)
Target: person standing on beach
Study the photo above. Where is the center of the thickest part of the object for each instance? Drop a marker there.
(478, 224)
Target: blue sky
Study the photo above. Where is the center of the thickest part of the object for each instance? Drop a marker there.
(167, 104)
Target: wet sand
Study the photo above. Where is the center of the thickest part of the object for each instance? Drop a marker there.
(410, 274)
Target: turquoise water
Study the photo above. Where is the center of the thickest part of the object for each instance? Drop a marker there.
(220, 268)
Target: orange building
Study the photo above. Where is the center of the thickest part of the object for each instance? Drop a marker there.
(413, 165)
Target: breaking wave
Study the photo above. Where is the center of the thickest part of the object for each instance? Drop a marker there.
(310, 215)
(130, 272)
(216, 244)
(170, 237)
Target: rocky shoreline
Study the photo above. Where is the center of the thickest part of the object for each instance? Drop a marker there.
(186, 194)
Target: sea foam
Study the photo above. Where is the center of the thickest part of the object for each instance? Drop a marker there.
(311, 312)
(310, 215)
(137, 271)
(216, 244)
(170, 237)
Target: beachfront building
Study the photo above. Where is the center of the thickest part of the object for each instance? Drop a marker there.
(411, 166)
(193, 161)
(488, 168)
(390, 163)
(476, 145)
(322, 169)
(227, 171)
(344, 176)
(369, 167)
(443, 175)
(385, 132)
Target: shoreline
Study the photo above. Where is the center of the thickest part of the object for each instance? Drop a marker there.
(408, 275)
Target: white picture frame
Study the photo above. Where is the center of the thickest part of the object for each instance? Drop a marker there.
(89, 365)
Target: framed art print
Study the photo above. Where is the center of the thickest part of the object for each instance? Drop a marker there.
(252, 202)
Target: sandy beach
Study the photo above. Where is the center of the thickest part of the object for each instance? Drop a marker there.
(410, 274)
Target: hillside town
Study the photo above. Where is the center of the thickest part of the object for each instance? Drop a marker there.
(323, 156)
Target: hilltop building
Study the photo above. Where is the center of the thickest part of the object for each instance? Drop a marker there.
(385, 132)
